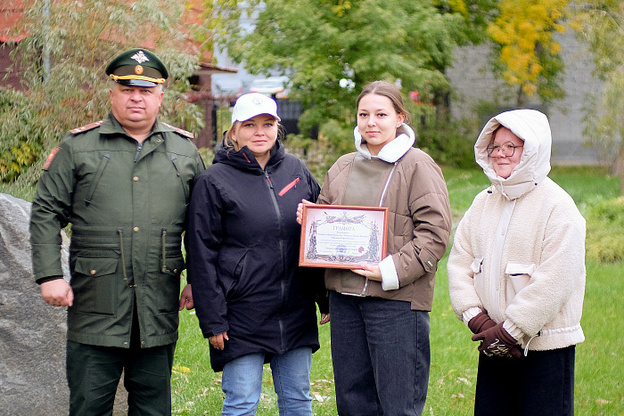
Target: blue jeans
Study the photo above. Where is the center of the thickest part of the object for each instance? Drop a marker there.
(380, 354)
(242, 383)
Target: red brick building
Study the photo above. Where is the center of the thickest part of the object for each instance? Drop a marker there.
(11, 11)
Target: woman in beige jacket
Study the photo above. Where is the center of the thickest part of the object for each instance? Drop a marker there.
(380, 312)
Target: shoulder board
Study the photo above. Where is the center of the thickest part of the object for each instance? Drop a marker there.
(86, 127)
(180, 131)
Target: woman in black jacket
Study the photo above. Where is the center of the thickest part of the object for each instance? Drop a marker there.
(254, 304)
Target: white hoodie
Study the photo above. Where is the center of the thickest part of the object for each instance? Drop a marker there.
(519, 251)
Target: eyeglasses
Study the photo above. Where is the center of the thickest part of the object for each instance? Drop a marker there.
(508, 149)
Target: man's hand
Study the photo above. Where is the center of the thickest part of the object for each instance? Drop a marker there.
(218, 341)
(186, 298)
(57, 293)
(496, 341)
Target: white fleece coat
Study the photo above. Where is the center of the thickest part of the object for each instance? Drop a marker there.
(519, 251)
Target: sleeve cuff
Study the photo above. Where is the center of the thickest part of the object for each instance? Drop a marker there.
(513, 330)
(389, 276)
(471, 313)
(48, 279)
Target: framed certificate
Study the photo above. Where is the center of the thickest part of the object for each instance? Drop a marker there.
(342, 236)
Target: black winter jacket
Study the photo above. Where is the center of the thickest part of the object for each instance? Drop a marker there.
(243, 250)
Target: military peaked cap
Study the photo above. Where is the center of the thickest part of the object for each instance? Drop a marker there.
(137, 68)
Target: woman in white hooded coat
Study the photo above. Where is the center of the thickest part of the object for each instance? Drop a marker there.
(517, 273)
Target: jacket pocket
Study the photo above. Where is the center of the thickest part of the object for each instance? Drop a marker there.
(519, 275)
(95, 285)
(96, 178)
(231, 273)
(288, 187)
(171, 261)
(167, 286)
(477, 265)
(477, 268)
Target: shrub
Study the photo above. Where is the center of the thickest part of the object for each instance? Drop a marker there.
(207, 155)
(605, 231)
(21, 134)
(449, 145)
(334, 140)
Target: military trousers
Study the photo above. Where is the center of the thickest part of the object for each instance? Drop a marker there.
(93, 374)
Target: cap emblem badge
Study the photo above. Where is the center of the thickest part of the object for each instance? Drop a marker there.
(138, 69)
(140, 57)
(257, 100)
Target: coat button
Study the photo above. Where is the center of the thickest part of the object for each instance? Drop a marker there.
(93, 272)
(136, 229)
(136, 179)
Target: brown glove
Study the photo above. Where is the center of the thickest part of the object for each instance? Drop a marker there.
(496, 341)
(480, 323)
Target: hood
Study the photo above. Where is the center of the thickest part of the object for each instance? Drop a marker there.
(532, 127)
(244, 159)
(392, 151)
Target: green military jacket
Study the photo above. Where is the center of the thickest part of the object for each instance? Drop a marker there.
(126, 203)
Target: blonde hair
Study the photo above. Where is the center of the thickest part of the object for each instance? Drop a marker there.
(228, 143)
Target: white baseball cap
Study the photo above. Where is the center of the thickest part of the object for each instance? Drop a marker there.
(253, 104)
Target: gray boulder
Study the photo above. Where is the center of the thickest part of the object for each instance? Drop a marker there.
(32, 333)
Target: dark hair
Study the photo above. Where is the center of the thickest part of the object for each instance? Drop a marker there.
(390, 91)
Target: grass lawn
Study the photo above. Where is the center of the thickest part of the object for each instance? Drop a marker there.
(599, 362)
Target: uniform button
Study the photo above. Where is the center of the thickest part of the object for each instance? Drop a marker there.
(136, 179)
(136, 229)
(93, 272)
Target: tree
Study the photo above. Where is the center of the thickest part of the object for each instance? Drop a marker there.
(63, 57)
(319, 43)
(528, 56)
(600, 23)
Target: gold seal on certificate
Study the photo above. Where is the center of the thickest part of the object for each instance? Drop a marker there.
(342, 236)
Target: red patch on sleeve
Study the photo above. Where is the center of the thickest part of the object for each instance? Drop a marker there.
(50, 158)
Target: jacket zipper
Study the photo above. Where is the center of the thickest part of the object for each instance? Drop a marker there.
(383, 195)
(138, 152)
(496, 311)
(281, 246)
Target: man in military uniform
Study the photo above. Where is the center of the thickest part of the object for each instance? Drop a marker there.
(124, 185)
